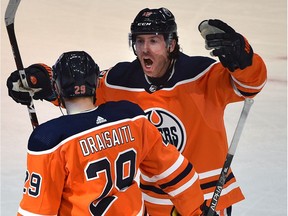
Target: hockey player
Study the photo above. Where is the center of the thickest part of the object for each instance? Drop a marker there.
(184, 97)
(84, 163)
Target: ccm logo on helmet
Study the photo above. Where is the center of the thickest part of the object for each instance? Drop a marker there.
(143, 24)
(170, 127)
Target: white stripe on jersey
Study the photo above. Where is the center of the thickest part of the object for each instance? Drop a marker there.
(249, 87)
(185, 186)
(158, 201)
(224, 191)
(27, 213)
(167, 172)
(209, 173)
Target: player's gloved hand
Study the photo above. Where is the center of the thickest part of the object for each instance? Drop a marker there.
(232, 49)
(204, 208)
(38, 78)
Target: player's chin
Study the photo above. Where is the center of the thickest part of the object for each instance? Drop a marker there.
(149, 72)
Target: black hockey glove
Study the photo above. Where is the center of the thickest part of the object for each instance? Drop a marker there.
(204, 208)
(232, 49)
(38, 77)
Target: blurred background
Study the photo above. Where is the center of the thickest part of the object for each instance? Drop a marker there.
(46, 29)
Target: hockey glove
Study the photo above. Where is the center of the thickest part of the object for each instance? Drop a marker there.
(38, 77)
(204, 208)
(232, 49)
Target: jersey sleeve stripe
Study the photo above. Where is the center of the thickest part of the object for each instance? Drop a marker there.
(156, 200)
(247, 86)
(213, 183)
(166, 173)
(209, 173)
(236, 90)
(27, 213)
(247, 93)
(207, 196)
(152, 188)
(223, 192)
(185, 186)
(178, 178)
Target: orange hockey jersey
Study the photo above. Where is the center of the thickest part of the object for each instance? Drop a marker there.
(86, 163)
(188, 111)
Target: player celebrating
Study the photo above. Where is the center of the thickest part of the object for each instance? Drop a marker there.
(184, 97)
(84, 163)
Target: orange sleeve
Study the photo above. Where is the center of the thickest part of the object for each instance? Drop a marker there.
(252, 79)
(220, 86)
(39, 196)
(172, 172)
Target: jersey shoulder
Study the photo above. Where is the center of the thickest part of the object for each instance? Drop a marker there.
(47, 135)
(191, 66)
(51, 133)
(130, 75)
(126, 74)
(118, 110)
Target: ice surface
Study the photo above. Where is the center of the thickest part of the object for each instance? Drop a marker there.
(45, 29)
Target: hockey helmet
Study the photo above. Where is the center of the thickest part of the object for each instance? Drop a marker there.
(75, 74)
(154, 21)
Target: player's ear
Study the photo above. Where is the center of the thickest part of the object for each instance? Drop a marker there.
(172, 45)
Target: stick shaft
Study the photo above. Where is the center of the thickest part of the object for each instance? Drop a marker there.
(9, 21)
(231, 151)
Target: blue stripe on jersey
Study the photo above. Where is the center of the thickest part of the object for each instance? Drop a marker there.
(178, 178)
(51, 133)
(131, 75)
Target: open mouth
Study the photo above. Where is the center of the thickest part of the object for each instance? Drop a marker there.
(148, 63)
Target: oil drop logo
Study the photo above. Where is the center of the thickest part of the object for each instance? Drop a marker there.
(169, 125)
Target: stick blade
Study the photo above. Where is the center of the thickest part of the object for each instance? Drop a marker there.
(11, 11)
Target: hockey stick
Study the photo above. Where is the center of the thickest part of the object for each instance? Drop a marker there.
(9, 21)
(231, 152)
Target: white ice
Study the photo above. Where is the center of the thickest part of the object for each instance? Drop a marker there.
(45, 29)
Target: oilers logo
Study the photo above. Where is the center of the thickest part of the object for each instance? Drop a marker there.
(169, 125)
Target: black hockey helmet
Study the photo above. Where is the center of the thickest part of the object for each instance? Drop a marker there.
(154, 21)
(75, 74)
